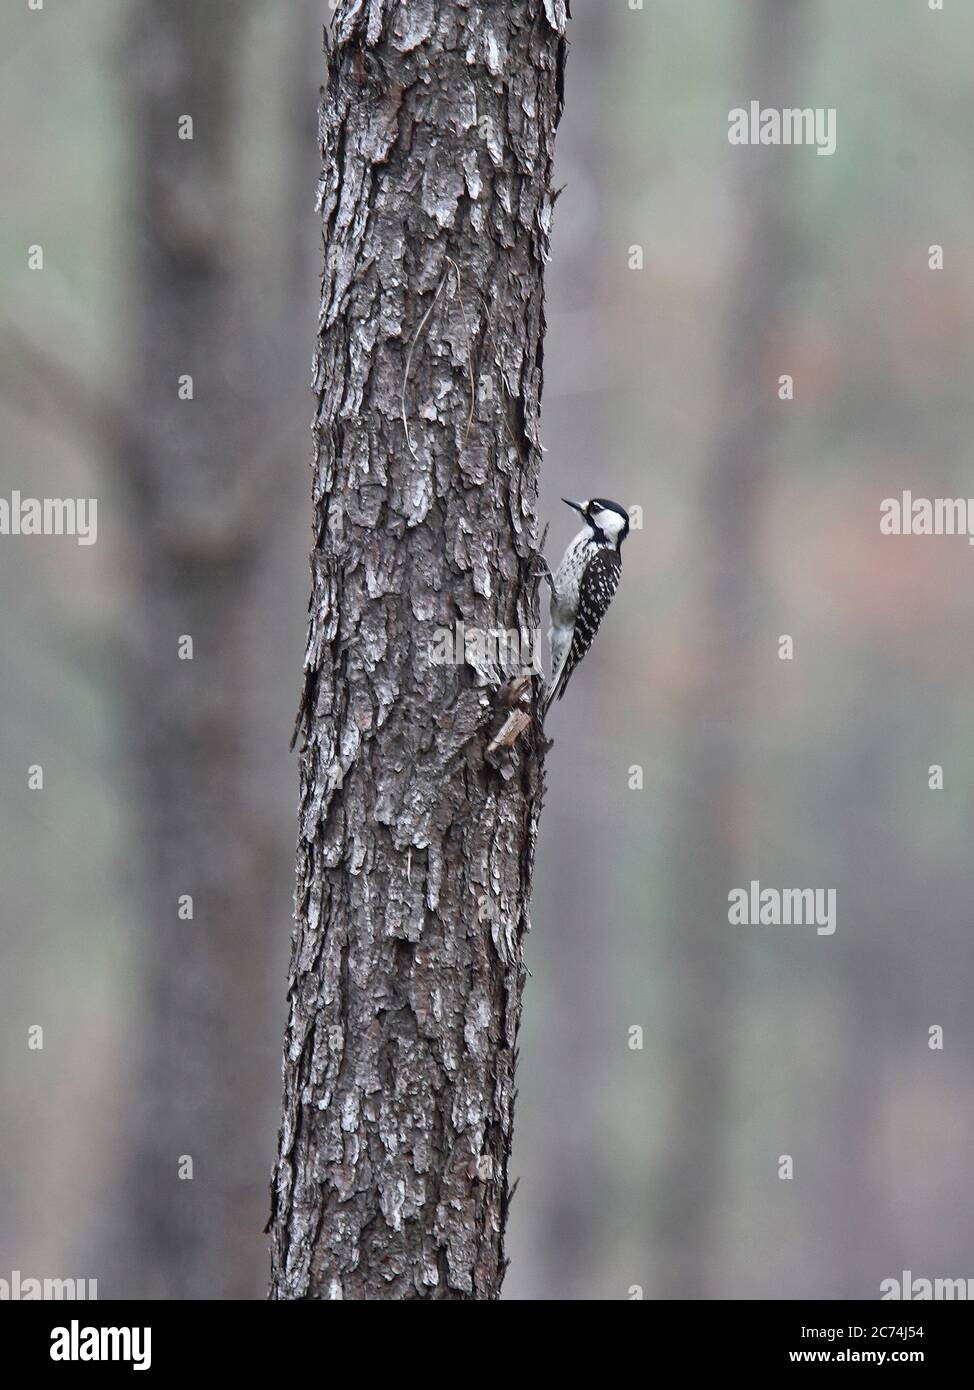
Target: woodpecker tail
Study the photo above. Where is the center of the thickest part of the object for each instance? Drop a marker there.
(554, 689)
(544, 702)
(561, 643)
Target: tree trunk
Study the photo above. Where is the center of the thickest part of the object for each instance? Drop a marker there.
(415, 846)
(707, 849)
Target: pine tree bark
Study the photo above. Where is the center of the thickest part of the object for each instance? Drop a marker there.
(415, 846)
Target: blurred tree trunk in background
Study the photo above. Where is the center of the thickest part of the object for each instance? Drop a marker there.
(203, 473)
(706, 839)
(415, 849)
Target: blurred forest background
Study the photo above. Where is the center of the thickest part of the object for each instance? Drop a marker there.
(658, 1167)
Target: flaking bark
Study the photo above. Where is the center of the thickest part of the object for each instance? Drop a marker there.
(415, 848)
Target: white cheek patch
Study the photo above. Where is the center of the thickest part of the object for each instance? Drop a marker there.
(610, 523)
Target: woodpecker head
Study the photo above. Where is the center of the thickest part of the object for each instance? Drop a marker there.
(608, 521)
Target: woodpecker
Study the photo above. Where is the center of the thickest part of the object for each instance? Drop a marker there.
(583, 588)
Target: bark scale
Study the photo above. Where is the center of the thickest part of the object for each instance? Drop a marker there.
(415, 847)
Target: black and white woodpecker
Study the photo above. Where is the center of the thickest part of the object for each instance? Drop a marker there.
(583, 588)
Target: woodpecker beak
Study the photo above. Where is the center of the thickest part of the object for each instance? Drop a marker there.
(579, 506)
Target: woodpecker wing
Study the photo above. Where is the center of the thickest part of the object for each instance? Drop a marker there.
(596, 591)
